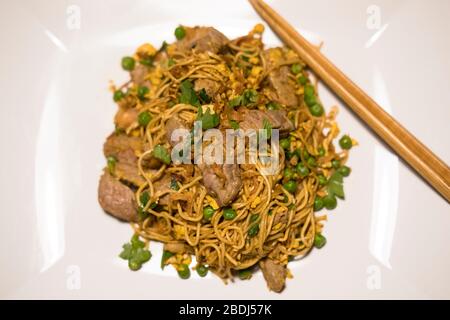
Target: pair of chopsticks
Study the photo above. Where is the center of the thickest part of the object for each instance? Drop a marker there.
(416, 154)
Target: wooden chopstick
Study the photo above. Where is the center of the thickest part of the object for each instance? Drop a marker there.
(416, 154)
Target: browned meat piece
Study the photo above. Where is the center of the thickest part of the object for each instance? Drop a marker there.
(254, 119)
(173, 124)
(202, 39)
(117, 143)
(176, 247)
(211, 87)
(280, 84)
(139, 74)
(124, 149)
(116, 198)
(126, 167)
(283, 89)
(126, 117)
(223, 182)
(274, 274)
(162, 185)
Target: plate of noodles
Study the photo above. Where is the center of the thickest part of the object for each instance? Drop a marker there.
(198, 157)
(232, 217)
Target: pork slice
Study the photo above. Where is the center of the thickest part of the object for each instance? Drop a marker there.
(176, 247)
(123, 148)
(202, 39)
(139, 75)
(117, 143)
(223, 182)
(283, 89)
(279, 83)
(173, 124)
(128, 172)
(254, 119)
(163, 185)
(274, 274)
(116, 198)
(126, 117)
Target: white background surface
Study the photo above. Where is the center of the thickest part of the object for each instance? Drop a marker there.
(389, 239)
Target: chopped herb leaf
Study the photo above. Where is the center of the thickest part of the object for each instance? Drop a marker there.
(161, 153)
(209, 120)
(165, 256)
(144, 198)
(204, 96)
(111, 161)
(335, 185)
(234, 124)
(248, 98)
(135, 253)
(188, 95)
(174, 184)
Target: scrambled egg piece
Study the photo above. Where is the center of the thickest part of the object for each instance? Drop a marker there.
(146, 50)
(259, 28)
(255, 202)
(212, 202)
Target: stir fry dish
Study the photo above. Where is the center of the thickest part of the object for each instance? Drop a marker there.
(230, 219)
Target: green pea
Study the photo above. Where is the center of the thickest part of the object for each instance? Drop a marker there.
(180, 32)
(254, 217)
(336, 164)
(273, 106)
(290, 186)
(346, 142)
(302, 80)
(309, 91)
(306, 154)
(310, 101)
(208, 213)
(134, 264)
(144, 118)
(316, 110)
(147, 61)
(111, 162)
(118, 95)
(302, 170)
(296, 68)
(330, 202)
(142, 91)
(288, 173)
(253, 230)
(183, 271)
(311, 162)
(318, 204)
(345, 171)
(319, 241)
(128, 63)
(285, 144)
(245, 274)
(322, 152)
(322, 180)
(202, 270)
(229, 214)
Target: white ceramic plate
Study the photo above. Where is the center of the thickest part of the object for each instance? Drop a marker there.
(389, 239)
